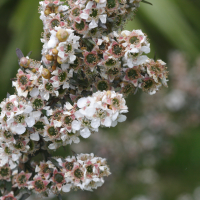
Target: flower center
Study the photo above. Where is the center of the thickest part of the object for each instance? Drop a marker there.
(148, 84)
(102, 85)
(52, 131)
(49, 87)
(110, 62)
(117, 49)
(132, 74)
(115, 102)
(39, 125)
(23, 80)
(9, 106)
(54, 23)
(20, 118)
(78, 173)
(76, 12)
(90, 169)
(59, 178)
(7, 151)
(7, 134)
(111, 3)
(94, 13)
(19, 145)
(68, 120)
(62, 76)
(134, 40)
(39, 185)
(22, 179)
(91, 58)
(37, 104)
(80, 26)
(4, 171)
(69, 166)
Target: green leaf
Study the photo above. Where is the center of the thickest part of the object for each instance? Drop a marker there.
(144, 1)
(59, 197)
(24, 196)
(8, 186)
(92, 42)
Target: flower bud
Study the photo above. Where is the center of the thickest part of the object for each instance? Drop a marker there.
(54, 67)
(46, 73)
(49, 57)
(62, 35)
(24, 62)
(33, 70)
(55, 51)
(47, 11)
(59, 60)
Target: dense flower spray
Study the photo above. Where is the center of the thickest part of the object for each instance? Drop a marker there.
(87, 69)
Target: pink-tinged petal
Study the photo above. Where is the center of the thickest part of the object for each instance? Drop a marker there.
(46, 182)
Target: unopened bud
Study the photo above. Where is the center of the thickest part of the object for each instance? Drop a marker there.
(59, 60)
(54, 67)
(46, 73)
(33, 70)
(55, 51)
(49, 57)
(62, 35)
(47, 11)
(24, 62)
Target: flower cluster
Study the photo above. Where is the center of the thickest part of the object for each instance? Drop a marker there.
(84, 171)
(87, 69)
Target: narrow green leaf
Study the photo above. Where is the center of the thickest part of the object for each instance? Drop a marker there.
(144, 1)
(25, 196)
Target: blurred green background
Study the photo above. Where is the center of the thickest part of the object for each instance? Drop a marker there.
(170, 170)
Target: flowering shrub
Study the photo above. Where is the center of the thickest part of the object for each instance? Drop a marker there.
(87, 69)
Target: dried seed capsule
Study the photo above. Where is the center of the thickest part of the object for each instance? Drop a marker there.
(62, 35)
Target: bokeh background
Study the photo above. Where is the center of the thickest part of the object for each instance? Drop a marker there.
(155, 155)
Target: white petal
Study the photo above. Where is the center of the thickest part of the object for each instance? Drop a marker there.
(84, 15)
(52, 146)
(76, 125)
(82, 102)
(92, 24)
(57, 123)
(64, 66)
(65, 85)
(85, 133)
(114, 117)
(122, 118)
(89, 4)
(36, 114)
(66, 188)
(19, 129)
(35, 136)
(95, 123)
(103, 18)
(15, 157)
(68, 106)
(28, 109)
(30, 121)
(107, 122)
(34, 92)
